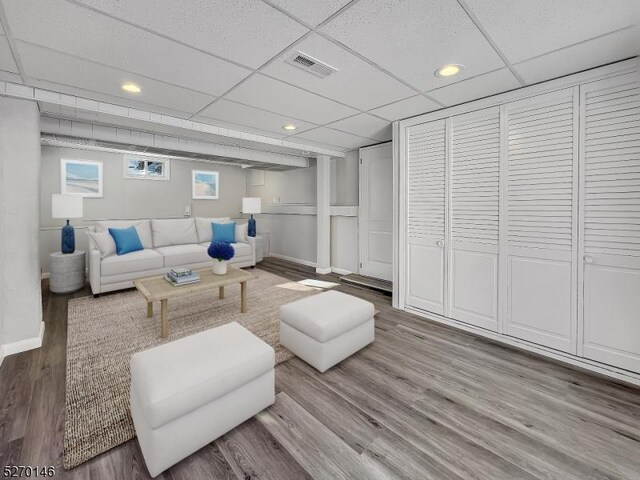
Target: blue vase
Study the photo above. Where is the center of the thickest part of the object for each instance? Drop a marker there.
(68, 239)
(251, 229)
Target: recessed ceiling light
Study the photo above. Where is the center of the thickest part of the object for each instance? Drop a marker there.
(131, 87)
(289, 126)
(448, 70)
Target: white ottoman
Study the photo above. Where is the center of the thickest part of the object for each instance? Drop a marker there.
(325, 329)
(187, 393)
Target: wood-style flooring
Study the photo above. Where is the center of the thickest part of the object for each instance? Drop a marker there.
(423, 402)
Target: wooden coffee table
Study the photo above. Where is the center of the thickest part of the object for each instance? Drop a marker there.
(157, 289)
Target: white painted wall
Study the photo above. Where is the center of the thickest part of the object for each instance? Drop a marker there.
(344, 243)
(20, 300)
(344, 179)
(131, 198)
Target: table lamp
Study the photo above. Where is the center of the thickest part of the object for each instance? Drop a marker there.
(251, 205)
(67, 206)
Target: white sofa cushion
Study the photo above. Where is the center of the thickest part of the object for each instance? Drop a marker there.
(203, 227)
(327, 315)
(176, 378)
(173, 231)
(139, 261)
(241, 232)
(240, 249)
(104, 242)
(182, 255)
(143, 228)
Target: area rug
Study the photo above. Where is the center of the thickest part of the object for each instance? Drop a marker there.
(103, 333)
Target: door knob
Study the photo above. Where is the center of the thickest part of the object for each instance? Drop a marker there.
(588, 259)
(440, 243)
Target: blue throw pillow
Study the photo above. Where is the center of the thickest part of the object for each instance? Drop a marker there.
(224, 232)
(127, 240)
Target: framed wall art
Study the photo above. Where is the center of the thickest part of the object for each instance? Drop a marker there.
(81, 177)
(204, 185)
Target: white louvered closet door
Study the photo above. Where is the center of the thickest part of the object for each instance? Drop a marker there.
(426, 216)
(610, 215)
(540, 182)
(474, 186)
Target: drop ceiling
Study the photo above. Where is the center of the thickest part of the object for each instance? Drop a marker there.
(223, 62)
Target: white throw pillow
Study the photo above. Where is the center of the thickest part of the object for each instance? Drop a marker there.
(241, 233)
(104, 242)
(173, 231)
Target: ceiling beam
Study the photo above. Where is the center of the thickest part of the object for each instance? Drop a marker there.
(71, 107)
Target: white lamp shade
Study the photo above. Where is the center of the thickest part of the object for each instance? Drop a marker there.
(66, 206)
(252, 205)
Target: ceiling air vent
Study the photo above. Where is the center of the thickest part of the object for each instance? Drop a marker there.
(310, 64)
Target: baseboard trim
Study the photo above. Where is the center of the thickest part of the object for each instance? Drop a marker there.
(566, 358)
(45, 275)
(24, 345)
(293, 259)
(323, 271)
(341, 271)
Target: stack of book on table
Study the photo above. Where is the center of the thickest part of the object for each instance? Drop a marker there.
(182, 276)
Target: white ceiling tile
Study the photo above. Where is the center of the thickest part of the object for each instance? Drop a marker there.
(413, 38)
(304, 141)
(477, 87)
(356, 82)
(330, 137)
(238, 127)
(524, 29)
(72, 29)
(313, 13)
(269, 94)
(10, 77)
(408, 107)
(6, 58)
(227, 111)
(73, 91)
(615, 46)
(249, 32)
(365, 125)
(56, 67)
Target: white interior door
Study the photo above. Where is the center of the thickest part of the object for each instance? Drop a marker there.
(474, 187)
(540, 220)
(610, 247)
(376, 211)
(426, 216)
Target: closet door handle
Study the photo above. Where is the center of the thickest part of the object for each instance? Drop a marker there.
(588, 259)
(440, 243)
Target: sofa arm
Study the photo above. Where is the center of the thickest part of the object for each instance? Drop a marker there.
(252, 241)
(94, 270)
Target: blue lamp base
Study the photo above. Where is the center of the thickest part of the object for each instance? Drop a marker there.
(68, 237)
(251, 229)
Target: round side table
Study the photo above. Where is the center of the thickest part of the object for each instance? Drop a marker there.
(259, 248)
(66, 272)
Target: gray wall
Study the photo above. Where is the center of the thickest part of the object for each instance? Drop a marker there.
(290, 236)
(292, 187)
(132, 198)
(294, 235)
(20, 295)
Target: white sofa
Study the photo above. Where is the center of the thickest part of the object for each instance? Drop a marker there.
(167, 243)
